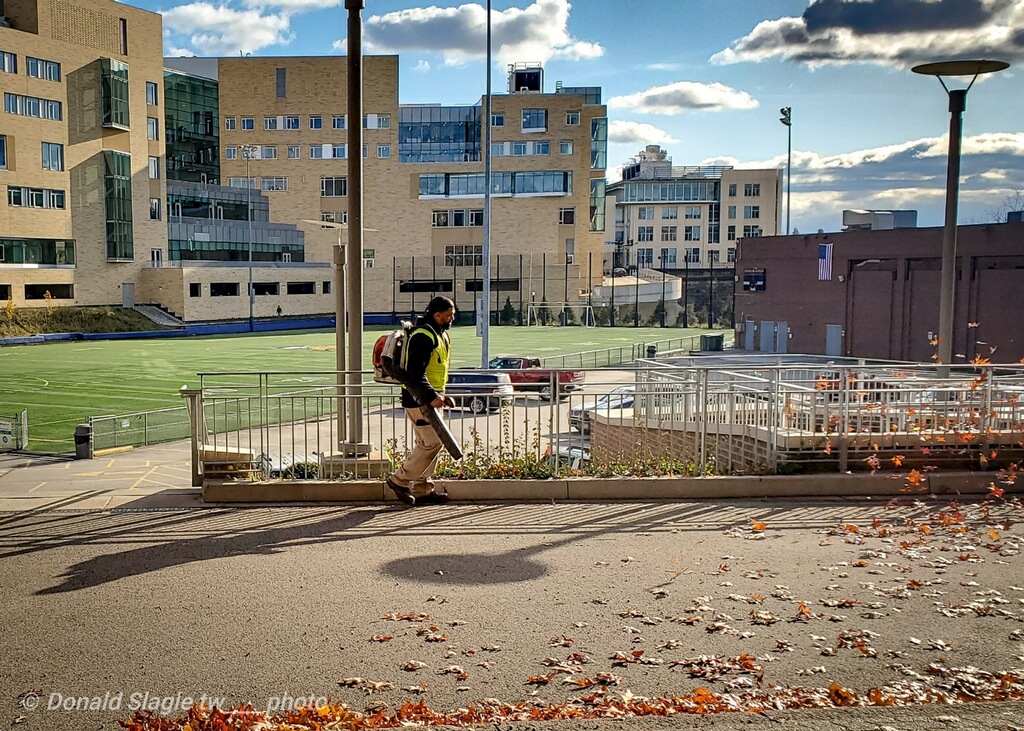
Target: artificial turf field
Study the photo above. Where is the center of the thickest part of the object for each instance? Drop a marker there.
(63, 383)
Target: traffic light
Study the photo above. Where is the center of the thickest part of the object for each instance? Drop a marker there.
(785, 118)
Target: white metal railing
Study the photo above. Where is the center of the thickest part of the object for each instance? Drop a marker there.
(730, 419)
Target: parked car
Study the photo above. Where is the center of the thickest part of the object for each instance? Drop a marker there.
(528, 374)
(479, 390)
(620, 397)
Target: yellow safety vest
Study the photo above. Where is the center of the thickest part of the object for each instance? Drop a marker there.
(437, 366)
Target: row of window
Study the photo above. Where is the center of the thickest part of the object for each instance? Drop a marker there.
(234, 289)
(22, 197)
(750, 190)
(38, 68)
(668, 233)
(458, 218)
(539, 147)
(535, 120)
(327, 151)
(668, 213)
(454, 185)
(315, 121)
(667, 257)
(33, 106)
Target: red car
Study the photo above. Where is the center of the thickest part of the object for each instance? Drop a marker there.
(527, 374)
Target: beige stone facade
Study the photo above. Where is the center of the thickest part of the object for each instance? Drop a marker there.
(78, 36)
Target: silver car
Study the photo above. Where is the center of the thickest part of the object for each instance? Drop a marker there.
(620, 397)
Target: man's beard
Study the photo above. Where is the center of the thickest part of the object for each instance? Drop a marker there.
(442, 326)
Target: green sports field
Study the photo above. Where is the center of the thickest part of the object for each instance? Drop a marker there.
(63, 383)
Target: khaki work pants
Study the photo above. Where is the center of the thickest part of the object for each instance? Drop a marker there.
(417, 470)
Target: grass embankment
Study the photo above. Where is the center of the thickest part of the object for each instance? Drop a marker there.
(20, 322)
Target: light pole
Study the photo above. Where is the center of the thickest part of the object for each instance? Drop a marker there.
(485, 326)
(787, 120)
(957, 104)
(249, 152)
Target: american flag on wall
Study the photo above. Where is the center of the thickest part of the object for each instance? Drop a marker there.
(824, 262)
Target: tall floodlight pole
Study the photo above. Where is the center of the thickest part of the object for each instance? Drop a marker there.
(249, 152)
(957, 104)
(485, 326)
(787, 119)
(354, 252)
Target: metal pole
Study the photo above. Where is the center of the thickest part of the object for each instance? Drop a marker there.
(354, 254)
(789, 176)
(247, 151)
(686, 286)
(664, 313)
(636, 304)
(947, 287)
(485, 329)
(711, 293)
(339, 336)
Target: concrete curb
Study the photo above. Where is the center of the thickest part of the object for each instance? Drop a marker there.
(626, 488)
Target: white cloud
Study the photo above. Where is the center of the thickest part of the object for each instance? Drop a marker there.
(222, 31)
(637, 133)
(538, 32)
(886, 32)
(422, 66)
(296, 6)
(684, 95)
(663, 66)
(911, 174)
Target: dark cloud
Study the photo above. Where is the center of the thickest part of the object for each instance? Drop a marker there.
(895, 16)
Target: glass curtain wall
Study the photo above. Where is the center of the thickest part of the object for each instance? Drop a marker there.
(192, 128)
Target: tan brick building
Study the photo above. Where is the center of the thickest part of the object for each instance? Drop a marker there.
(82, 150)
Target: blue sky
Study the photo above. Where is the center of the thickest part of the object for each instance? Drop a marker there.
(705, 79)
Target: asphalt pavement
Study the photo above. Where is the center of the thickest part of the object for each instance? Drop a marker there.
(158, 604)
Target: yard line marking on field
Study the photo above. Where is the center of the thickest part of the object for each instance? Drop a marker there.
(37, 487)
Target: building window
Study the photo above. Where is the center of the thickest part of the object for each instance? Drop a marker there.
(32, 106)
(567, 216)
(338, 121)
(326, 285)
(272, 184)
(730, 233)
(498, 119)
(281, 82)
(691, 233)
(270, 123)
(751, 212)
(316, 152)
(645, 213)
(542, 148)
(692, 213)
(565, 147)
(41, 69)
(195, 289)
(714, 236)
(439, 219)
(241, 182)
(713, 255)
(154, 168)
(376, 121)
(114, 84)
(154, 209)
(730, 254)
(333, 186)
(731, 213)
(751, 189)
(338, 152)
(3, 152)
(693, 256)
(670, 213)
(8, 62)
(668, 258)
(291, 122)
(669, 233)
(732, 189)
(152, 128)
(535, 120)
(19, 197)
(333, 217)
(294, 151)
(518, 148)
(268, 152)
(316, 121)
(248, 123)
(751, 231)
(153, 95)
(224, 289)
(53, 156)
(645, 233)
(645, 257)
(572, 118)
(230, 152)
(117, 187)
(123, 45)
(463, 255)
(229, 123)
(383, 151)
